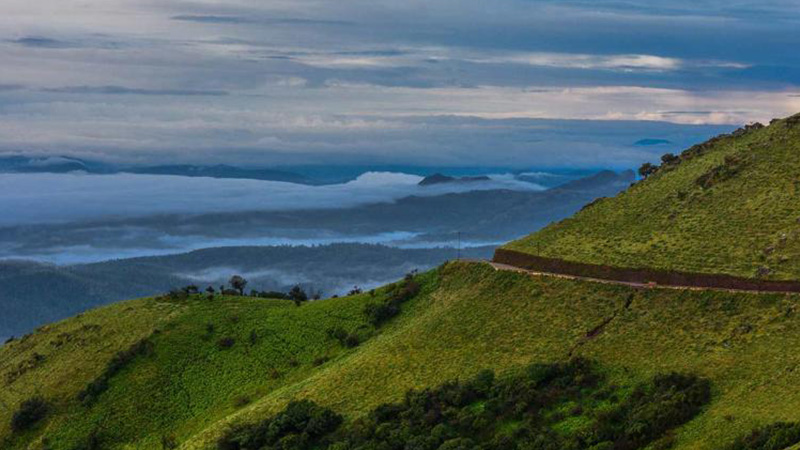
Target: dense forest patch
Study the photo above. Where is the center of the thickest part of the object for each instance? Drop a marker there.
(559, 406)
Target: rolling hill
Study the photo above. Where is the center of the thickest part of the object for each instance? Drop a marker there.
(190, 387)
(186, 372)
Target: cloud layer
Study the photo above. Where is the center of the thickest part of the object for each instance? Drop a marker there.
(373, 80)
(50, 198)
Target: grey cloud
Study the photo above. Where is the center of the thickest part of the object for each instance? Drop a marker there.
(215, 19)
(122, 90)
(41, 42)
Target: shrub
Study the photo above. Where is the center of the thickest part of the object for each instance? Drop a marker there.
(297, 295)
(379, 313)
(348, 340)
(776, 436)
(253, 337)
(241, 401)
(168, 442)
(320, 360)
(352, 340)
(669, 158)
(30, 412)
(731, 167)
(355, 291)
(647, 169)
(302, 425)
(225, 343)
(120, 360)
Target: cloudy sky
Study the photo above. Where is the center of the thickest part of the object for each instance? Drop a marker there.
(439, 82)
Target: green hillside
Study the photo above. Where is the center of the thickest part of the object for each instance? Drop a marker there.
(189, 386)
(728, 206)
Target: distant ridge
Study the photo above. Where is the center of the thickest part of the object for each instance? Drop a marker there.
(439, 178)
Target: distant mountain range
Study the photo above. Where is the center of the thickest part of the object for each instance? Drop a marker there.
(438, 178)
(64, 164)
(489, 216)
(33, 293)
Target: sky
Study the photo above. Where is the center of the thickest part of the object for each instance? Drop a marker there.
(545, 83)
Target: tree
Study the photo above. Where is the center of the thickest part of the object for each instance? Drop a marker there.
(355, 291)
(669, 158)
(298, 295)
(647, 169)
(238, 283)
(191, 289)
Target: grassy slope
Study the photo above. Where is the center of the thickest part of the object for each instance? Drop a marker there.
(189, 381)
(469, 317)
(748, 221)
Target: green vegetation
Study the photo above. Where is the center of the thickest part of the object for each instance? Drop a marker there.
(562, 406)
(30, 412)
(777, 436)
(728, 206)
(147, 370)
(466, 318)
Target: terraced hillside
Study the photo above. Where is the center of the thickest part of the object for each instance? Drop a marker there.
(208, 364)
(728, 206)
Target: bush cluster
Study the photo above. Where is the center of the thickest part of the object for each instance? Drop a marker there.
(777, 436)
(302, 425)
(90, 394)
(30, 412)
(348, 340)
(730, 168)
(398, 293)
(489, 413)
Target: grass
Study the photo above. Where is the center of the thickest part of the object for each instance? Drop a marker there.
(468, 317)
(730, 210)
(189, 381)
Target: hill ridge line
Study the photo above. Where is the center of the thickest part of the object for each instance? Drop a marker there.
(511, 260)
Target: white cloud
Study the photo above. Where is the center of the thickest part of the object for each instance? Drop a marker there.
(42, 198)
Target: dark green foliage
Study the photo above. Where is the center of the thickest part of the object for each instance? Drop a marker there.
(777, 436)
(30, 412)
(191, 289)
(272, 294)
(526, 411)
(225, 343)
(652, 409)
(647, 169)
(397, 294)
(320, 361)
(302, 425)
(355, 291)
(92, 391)
(733, 165)
(238, 283)
(91, 442)
(168, 442)
(348, 340)
(297, 295)
(669, 158)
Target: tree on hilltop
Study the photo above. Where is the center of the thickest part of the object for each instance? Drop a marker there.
(239, 283)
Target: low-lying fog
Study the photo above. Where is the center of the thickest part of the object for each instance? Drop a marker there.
(48, 198)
